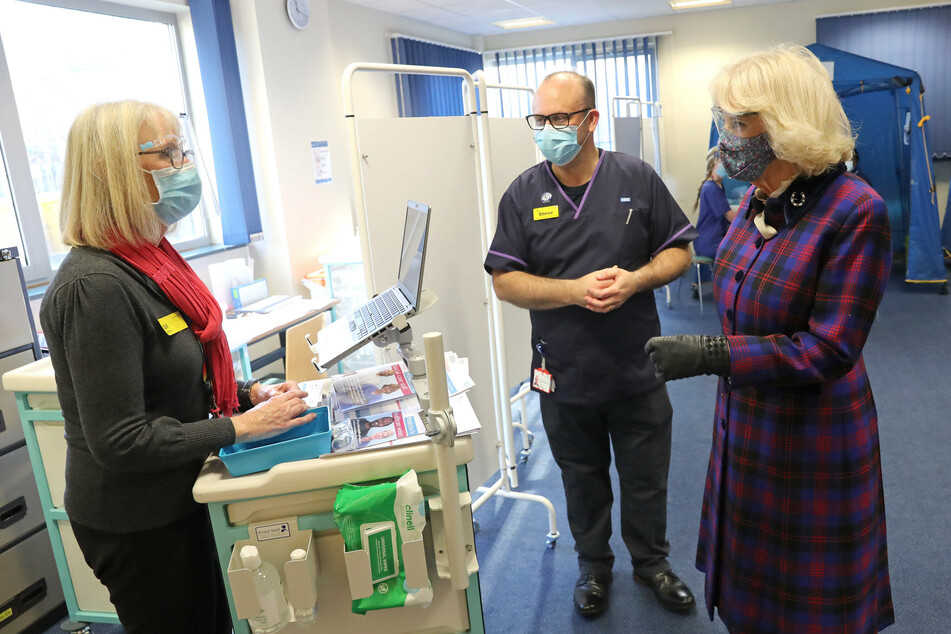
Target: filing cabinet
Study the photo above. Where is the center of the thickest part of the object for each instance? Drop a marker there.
(30, 591)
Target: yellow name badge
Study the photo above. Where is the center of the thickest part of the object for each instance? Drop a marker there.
(172, 323)
(544, 213)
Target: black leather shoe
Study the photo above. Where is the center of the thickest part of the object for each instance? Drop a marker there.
(671, 592)
(591, 594)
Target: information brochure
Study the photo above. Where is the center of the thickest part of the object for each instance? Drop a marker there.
(370, 386)
(367, 415)
(374, 430)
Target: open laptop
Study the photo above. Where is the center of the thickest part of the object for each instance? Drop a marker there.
(352, 331)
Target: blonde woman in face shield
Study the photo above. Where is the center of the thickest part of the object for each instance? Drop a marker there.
(792, 533)
(144, 373)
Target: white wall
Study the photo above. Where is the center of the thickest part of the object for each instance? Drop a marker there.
(292, 85)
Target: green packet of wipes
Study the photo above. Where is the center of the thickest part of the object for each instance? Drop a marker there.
(378, 519)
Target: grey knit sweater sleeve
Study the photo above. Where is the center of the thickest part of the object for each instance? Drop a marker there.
(132, 395)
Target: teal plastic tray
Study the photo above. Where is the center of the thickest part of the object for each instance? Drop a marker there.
(301, 443)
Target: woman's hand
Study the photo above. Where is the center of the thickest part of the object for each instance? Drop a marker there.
(273, 416)
(261, 393)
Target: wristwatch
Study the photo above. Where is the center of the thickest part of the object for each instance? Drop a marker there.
(244, 395)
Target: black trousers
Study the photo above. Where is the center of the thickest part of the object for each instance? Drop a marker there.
(161, 580)
(581, 437)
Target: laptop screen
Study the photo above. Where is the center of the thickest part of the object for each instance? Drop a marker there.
(413, 253)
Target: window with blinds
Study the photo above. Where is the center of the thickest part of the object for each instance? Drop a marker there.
(622, 67)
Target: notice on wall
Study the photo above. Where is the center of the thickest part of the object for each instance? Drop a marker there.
(322, 170)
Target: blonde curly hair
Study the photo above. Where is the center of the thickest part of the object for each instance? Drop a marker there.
(792, 92)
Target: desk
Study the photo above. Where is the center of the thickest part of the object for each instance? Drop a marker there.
(248, 328)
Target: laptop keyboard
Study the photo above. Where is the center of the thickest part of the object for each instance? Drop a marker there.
(376, 313)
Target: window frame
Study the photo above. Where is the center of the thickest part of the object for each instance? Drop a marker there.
(600, 59)
(37, 265)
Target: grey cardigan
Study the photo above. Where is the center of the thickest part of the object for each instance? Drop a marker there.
(133, 397)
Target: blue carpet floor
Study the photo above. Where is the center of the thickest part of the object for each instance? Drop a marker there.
(527, 587)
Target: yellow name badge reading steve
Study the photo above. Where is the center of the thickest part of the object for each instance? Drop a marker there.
(172, 323)
(544, 213)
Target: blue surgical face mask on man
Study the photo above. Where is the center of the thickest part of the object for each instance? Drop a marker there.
(179, 192)
(560, 146)
(744, 159)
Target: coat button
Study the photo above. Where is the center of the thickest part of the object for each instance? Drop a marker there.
(722, 423)
(729, 314)
(760, 242)
(738, 276)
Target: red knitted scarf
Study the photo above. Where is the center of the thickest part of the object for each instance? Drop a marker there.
(167, 268)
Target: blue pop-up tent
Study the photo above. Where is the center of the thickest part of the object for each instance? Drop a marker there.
(885, 104)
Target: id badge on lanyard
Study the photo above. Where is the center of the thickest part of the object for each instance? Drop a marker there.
(542, 380)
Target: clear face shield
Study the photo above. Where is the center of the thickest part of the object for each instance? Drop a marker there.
(742, 124)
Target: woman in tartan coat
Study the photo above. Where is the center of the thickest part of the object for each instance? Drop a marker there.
(792, 532)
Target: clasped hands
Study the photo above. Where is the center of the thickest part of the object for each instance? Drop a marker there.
(604, 290)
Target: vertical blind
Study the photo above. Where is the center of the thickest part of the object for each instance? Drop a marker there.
(625, 67)
(218, 62)
(919, 39)
(431, 95)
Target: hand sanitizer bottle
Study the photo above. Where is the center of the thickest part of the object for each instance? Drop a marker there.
(274, 613)
(305, 616)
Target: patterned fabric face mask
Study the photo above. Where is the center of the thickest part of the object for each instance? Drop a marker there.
(744, 159)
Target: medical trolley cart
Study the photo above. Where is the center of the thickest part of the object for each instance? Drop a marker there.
(30, 592)
(290, 507)
(35, 389)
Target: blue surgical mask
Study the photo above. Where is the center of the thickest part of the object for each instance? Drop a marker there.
(179, 192)
(744, 159)
(560, 146)
(721, 171)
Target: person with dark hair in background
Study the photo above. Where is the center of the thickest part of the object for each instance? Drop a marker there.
(715, 213)
(792, 532)
(583, 239)
(144, 373)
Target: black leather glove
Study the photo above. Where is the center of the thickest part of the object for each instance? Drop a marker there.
(681, 356)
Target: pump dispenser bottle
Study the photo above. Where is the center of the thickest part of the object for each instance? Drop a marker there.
(274, 614)
(306, 615)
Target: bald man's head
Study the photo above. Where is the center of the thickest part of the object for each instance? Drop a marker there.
(580, 87)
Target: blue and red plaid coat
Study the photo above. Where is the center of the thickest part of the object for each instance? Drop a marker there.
(792, 534)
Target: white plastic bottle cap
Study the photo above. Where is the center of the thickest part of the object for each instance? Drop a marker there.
(250, 557)
(298, 554)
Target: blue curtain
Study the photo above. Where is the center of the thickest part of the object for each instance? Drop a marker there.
(431, 95)
(625, 67)
(912, 38)
(218, 61)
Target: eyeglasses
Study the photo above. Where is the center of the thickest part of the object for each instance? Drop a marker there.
(177, 154)
(558, 120)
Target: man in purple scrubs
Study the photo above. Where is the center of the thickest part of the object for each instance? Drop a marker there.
(583, 239)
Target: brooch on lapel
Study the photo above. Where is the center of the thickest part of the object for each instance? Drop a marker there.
(797, 199)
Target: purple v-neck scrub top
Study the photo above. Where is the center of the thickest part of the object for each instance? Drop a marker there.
(625, 218)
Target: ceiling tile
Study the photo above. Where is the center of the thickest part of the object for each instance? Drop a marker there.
(430, 14)
(478, 15)
(396, 6)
